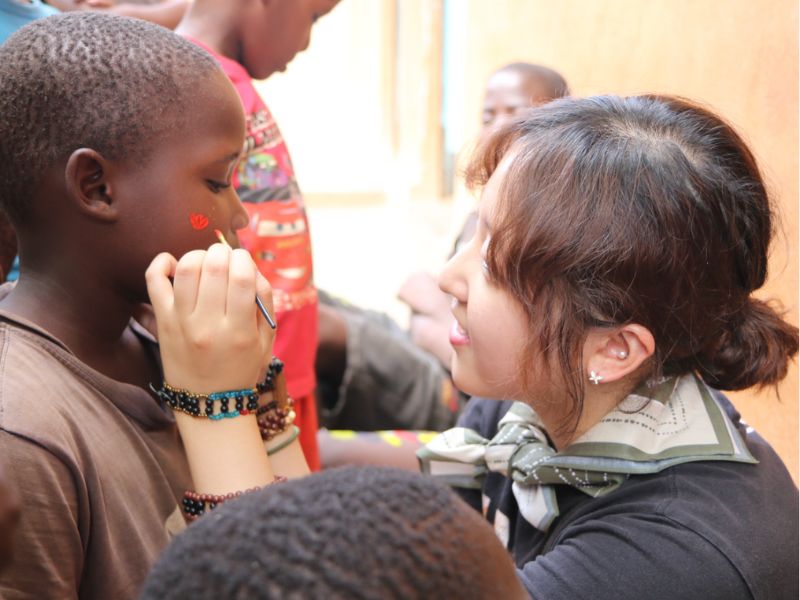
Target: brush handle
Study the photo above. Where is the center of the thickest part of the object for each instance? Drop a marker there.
(265, 312)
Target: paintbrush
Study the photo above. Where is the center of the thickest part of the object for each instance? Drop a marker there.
(259, 304)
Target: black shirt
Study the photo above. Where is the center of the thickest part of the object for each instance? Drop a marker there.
(698, 530)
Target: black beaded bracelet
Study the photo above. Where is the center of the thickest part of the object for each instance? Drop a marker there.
(202, 405)
(190, 403)
(274, 369)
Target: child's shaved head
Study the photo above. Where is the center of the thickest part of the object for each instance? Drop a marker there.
(346, 533)
(85, 79)
(551, 84)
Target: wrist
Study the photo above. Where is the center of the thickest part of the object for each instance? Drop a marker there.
(282, 440)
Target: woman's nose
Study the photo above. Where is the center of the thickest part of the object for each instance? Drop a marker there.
(452, 280)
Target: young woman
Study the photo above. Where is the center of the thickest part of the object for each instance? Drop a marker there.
(608, 290)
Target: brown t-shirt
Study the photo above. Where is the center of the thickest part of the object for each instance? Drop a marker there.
(99, 467)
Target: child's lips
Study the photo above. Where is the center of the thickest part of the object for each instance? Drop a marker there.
(458, 336)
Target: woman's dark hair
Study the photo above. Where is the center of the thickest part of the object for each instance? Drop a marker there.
(648, 210)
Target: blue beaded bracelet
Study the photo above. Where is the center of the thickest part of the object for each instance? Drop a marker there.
(190, 403)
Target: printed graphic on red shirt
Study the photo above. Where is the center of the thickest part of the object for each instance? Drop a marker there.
(277, 235)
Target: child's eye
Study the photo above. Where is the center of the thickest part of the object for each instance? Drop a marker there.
(217, 186)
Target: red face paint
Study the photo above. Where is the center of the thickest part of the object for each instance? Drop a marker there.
(199, 221)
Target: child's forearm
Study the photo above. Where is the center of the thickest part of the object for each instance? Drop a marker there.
(433, 336)
(422, 294)
(384, 448)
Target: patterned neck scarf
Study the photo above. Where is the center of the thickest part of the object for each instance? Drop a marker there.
(660, 425)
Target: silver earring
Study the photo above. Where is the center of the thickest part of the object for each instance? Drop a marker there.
(595, 378)
(622, 354)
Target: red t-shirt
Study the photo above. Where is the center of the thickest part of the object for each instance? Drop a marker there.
(278, 239)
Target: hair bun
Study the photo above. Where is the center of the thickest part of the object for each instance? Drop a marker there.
(755, 350)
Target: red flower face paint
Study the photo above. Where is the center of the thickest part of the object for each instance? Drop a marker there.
(199, 221)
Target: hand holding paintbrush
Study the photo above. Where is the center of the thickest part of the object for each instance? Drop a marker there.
(260, 304)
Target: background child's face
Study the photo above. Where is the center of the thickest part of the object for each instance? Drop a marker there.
(509, 93)
(489, 334)
(278, 32)
(182, 191)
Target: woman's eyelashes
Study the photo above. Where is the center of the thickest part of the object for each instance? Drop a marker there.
(483, 252)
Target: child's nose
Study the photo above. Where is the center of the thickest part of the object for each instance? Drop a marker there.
(240, 218)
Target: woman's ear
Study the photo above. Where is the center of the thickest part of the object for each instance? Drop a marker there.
(87, 182)
(610, 355)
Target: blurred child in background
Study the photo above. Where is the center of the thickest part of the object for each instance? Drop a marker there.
(252, 40)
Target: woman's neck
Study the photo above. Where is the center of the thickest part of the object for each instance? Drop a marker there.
(598, 401)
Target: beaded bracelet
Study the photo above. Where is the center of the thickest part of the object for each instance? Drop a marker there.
(189, 402)
(284, 443)
(276, 416)
(274, 369)
(276, 419)
(194, 505)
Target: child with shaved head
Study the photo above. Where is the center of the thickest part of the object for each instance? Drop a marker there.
(346, 533)
(118, 140)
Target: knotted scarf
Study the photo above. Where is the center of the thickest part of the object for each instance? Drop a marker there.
(659, 425)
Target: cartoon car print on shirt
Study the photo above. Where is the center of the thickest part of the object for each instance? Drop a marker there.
(277, 238)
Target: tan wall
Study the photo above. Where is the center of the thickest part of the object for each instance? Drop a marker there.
(738, 56)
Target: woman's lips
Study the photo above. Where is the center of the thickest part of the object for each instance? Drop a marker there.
(458, 337)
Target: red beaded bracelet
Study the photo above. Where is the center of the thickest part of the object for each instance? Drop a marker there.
(194, 505)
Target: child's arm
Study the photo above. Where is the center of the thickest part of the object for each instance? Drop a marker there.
(167, 13)
(433, 336)
(421, 290)
(383, 448)
(49, 562)
(9, 517)
(422, 294)
(212, 339)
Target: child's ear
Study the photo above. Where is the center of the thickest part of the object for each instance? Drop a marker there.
(611, 355)
(88, 184)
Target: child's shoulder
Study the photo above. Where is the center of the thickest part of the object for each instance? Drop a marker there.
(36, 380)
(31, 357)
(46, 394)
